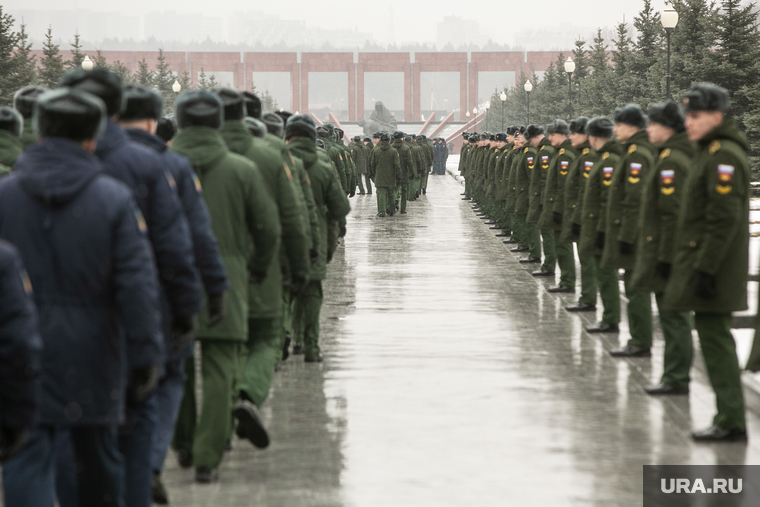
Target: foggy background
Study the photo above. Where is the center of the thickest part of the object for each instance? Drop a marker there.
(442, 25)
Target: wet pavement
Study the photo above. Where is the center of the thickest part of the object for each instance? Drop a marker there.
(451, 377)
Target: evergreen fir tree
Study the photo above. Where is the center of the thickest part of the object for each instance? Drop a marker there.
(24, 66)
(8, 42)
(267, 102)
(124, 73)
(599, 89)
(185, 81)
(622, 59)
(77, 57)
(144, 76)
(100, 60)
(648, 47)
(51, 65)
(691, 43)
(203, 83)
(163, 80)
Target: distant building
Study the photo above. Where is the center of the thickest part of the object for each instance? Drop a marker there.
(457, 31)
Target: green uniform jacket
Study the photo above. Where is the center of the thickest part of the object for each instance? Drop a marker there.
(462, 158)
(490, 179)
(528, 163)
(624, 200)
(554, 188)
(28, 135)
(350, 167)
(303, 192)
(517, 155)
(386, 165)
(244, 220)
(428, 151)
(359, 154)
(10, 148)
(415, 160)
(595, 197)
(336, 156)
(575, 188)
(418, 152)
(546, 153)
(406, 160)
(502, 172)
(713, 225)
(265, 299)
(331, 202)
(481, 154)
(660, 205)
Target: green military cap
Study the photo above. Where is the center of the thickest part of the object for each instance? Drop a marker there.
(578, 125)
(558, 127)
(632, 114)
(600, 127)
(705, 97)
(533, 131)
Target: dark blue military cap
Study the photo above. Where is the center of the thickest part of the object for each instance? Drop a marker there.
(501, 136)
(70, 114)
(25, 98)
(103, 83)
(11, 121)
(199, 108)
(141, 103)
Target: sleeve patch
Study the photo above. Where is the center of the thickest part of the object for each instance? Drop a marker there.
(140, 220)
(725, 177)
(634, 173)
(667, 180)
(587, 168)
(563, 165)
(287, 171)
(607, 172)
(545, 161)
(530, 162)
(197, 182)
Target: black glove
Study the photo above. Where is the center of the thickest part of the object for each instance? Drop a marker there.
(576, 229)
(298, 283)
(342, 231)
(663, 269)
(183, 331)
(626, 248)
(330, 256)
(353, 193)
(600, 240)
(314, 256)
(217, 308)
(257, 277)
(142, 382)
(557, 217)
(11, 442)
(705, 286)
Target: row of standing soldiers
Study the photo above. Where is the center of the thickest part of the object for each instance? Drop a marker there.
(664, 196)
(125, 237)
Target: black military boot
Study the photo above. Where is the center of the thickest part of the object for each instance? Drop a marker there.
(297, 348)
(158, 491)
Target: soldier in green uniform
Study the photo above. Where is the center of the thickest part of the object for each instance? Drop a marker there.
(545, 153)
(407, 167)
(572, 209)
(245, 223)
(263, 348)
(504, 143)
(430, 154)
(518, 232)
(418, 153)
(332, 205)
(622, 223)
(534, 135)
(662, 200)
(385, 169)
(415, 167)
(359, 156)
(23, 102)
(326, 134)
(351, 178)
(11, 127)
(554, 189)
(593, 213)
(489, 174)
(464, 163)
(709, 272)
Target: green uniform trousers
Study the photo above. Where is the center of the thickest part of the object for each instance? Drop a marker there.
(550, 254)
(206, 437)
(502, 218)
(719, 351)
(609, 290)
(263, 352)
(676, 329)
(589, 283)
(361, 184)
(404, 193)
(368, 181)
(306, 322)
(639, 314)
(424, 179)
(521, 230)
(531, 237)
(566, 262)
(385, 200)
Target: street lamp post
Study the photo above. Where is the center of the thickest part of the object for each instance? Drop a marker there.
(87, 64)
(176, 87)
(487, 106)
(528, 87)
(467, 114)
(503, 99)
(570, 68)
(669, 20)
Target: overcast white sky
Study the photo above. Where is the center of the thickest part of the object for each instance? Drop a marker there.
(405, 22)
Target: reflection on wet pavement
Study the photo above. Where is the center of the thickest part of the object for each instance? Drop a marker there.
(452, 377)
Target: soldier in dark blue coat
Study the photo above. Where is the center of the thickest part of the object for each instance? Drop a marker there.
(144, 171)
(20, 349)
(83, 241)
(139, 120)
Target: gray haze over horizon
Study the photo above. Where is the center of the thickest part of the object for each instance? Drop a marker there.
(541, 25)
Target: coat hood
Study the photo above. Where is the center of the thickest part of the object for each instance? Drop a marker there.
(384, 145)
(203, 147)
(113, 138)
(305, 149)
(237, 136)
(56, 170)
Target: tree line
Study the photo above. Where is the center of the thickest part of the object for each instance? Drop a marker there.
(718, 42)
(19, 67)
